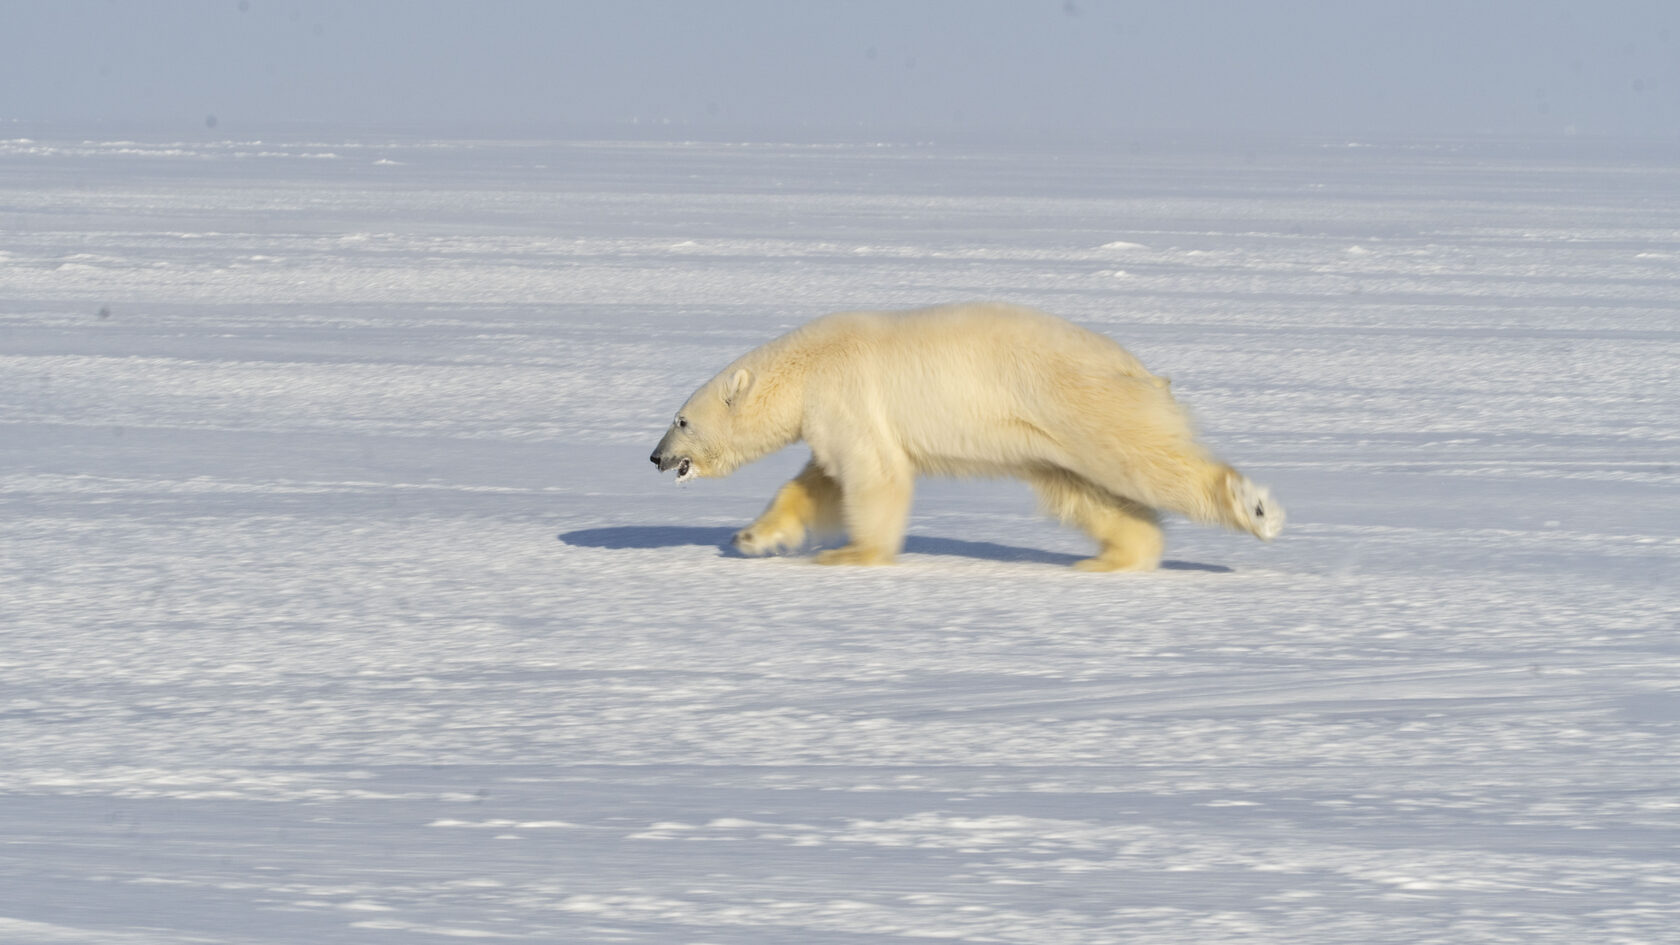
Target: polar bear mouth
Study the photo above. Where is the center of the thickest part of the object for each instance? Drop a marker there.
(685, 469)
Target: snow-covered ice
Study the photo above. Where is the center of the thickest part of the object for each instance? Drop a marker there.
(340, 603)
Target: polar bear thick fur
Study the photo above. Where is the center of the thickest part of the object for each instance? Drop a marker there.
(959, 390)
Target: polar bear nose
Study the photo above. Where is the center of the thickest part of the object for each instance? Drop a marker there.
(654, 458)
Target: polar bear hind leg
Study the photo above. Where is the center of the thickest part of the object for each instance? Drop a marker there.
(808, 504)
(1128, 534)
(1135, 441)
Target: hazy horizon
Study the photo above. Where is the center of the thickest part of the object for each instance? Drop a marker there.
(1051, 68)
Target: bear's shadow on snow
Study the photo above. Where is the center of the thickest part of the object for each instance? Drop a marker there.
(676, 536)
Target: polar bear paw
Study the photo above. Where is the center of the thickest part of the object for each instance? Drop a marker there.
(1256, 510)
(758, 540)
(855, 554)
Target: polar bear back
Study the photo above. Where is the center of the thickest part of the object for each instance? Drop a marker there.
(963, 389)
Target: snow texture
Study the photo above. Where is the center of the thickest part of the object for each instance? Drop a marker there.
(341, 604)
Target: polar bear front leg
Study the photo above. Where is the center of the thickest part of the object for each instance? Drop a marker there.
(876, 508)
(808, 503)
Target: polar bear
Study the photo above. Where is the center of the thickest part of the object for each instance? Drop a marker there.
(978, 389)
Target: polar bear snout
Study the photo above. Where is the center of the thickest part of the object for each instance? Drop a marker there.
(665, 457)
(682, 464)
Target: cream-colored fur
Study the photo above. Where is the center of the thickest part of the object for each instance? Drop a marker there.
(959, 390)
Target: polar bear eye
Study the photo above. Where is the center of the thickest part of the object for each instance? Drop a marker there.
(682, 422)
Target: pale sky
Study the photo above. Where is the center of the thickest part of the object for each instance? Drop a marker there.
(873, 68)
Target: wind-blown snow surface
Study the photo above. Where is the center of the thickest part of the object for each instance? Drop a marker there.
(341, 603)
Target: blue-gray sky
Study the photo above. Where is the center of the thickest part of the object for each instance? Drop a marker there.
(918, 68)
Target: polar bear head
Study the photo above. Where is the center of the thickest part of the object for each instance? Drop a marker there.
(709, 432)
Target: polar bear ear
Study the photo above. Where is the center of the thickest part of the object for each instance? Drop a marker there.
(739, 384)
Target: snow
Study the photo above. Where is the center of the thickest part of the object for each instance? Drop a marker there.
(341, 603)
